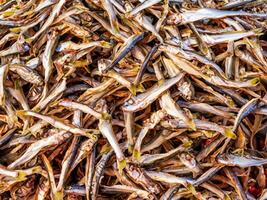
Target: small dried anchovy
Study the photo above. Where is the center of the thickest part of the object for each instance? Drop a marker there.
(148, 99)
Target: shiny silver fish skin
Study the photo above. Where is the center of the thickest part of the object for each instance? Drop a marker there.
(245, 111)
(208, 13)
(241, 161)
(141, 101)
(129, 44)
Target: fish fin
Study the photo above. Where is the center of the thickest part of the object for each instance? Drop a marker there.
(161, 82)
(194, 191)
(15, 30)
(231, 103)
(21, 175)
(188, 144)
(192, 125)
(229, 133)
(105, 44)
(130, 149)
(106, 116)
(121, 165)
(37, 169)
(208, 134)
(8, 13)
(58, 195)
(55, 103)
(28, 12)
(28, 40)
(116, 26)
(254, 81)
(133, 89)
(136, 154)
(21, 113)
(258, 31)
(140, 88)
(105, 149)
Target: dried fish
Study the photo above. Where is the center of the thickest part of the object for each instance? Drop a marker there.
(150, 159)
(245, 111)
(142, 6)
(139, 99)
(126, 48)
(36, 147)
(208, 13)
(47, 59)
(106, 129)
(57, 123)
(112, 15)
(234, 160)
(98, 173)
(127, 189)
(168, 178)
(27, 74)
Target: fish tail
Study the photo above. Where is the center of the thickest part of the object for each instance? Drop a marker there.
(229, 133)
(258, 31)
(105, 44)
(136, 154)
(21, 113)
(121, 165)
(254, 81)
(140, 88)
(116, 26)
(133, 89)
(58, 195)
(192, 125)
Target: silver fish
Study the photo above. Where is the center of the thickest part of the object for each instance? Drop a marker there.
(245, 111)
(168, 178)
(240, 161)
(143, 100)
(99, 169)
(112, 15)
(208, 13)
(145, 4)
(127, 46)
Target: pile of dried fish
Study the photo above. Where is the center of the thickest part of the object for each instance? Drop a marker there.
(128, 99)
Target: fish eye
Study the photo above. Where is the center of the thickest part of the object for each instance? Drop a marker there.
(130, 102)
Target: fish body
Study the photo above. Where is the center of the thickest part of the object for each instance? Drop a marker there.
(249, 107)
(142, 6)
(143, 100)
(240, 161)
(209, 13)
(128, 45)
